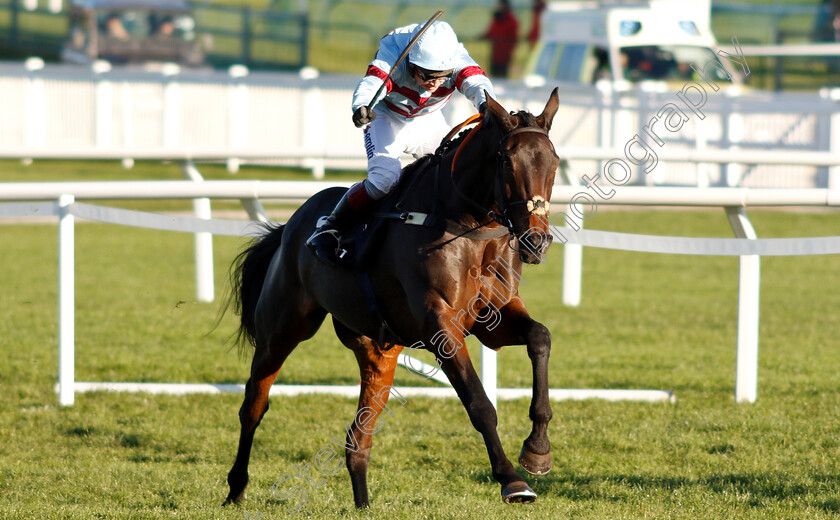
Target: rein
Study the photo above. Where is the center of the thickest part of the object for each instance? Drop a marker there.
(455, 228)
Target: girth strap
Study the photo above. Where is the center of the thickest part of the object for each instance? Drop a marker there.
(387, 338)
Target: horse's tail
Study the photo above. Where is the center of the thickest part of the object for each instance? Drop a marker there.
(247, 274)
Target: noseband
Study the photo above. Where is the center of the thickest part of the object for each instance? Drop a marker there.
(503, 218)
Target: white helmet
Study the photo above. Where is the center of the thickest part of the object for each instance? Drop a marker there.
(437, 49)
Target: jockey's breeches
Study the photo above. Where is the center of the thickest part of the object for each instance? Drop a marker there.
(387, 138)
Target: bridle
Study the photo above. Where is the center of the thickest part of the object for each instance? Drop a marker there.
(502, 163)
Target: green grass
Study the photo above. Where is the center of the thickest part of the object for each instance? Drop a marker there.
(646, 321)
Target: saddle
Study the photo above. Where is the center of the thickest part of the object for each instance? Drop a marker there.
(358, 240)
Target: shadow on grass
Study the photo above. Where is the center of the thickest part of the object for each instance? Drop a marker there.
(757, 488)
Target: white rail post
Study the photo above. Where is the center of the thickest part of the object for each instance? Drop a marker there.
(127, 114)
(66, 301)
(489, 374)
(572, 272)
(237, 113)
(103, 107)
(749, 283)
(646, 91)
(312, 120)
(734, 121)
(834, 137)
(36, 110)
(171, 119)
(606, 116)
(205, 288)
(701, 141)
(572, 254)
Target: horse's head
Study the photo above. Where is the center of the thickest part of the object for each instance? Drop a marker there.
(524, 174)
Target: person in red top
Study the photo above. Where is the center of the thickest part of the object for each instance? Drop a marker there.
(502, 33)
(534, 34)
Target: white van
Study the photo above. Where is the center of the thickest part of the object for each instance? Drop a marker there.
(654, 40)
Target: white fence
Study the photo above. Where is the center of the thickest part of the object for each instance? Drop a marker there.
(749, 140)
(303, 119)
(734, 200)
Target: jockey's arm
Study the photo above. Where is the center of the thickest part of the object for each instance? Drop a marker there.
(367, 88)
(386, 56)
(473, 87)
(471, 80)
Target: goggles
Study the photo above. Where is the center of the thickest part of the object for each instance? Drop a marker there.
(429, 75)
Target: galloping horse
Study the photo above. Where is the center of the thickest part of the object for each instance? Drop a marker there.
(488, 192)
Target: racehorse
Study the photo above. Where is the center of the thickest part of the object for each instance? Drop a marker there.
(483, 199)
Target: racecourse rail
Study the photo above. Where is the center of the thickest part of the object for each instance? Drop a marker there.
(300, 119)
(63, 197)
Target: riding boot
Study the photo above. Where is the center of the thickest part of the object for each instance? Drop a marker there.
(325, 242)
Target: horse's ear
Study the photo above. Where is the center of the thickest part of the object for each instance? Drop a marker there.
(544, 119)
(496, 111)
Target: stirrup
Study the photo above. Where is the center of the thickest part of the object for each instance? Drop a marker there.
(329, 255)
(320, 232)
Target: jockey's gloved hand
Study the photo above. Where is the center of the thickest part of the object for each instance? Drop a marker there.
(482, 108)
(363, 116)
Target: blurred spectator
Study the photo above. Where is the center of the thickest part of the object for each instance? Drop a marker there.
(534, 34)
(602, 64)
(502, 33)
(827, 22)
(827, 28)
(165, 29)
(114, 27)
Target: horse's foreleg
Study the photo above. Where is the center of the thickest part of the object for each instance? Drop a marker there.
(517, 327)
(535, 457)
(376, 370)
(459, 369)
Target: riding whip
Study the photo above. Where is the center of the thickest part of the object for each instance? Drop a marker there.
(403, 55)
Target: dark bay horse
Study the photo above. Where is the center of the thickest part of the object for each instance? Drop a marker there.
(435, 284)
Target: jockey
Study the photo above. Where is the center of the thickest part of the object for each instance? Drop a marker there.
(406, 117)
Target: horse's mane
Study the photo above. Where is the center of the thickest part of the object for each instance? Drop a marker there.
(417, 167)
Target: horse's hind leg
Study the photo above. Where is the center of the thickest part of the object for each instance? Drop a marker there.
(376, 369)
(268, 358)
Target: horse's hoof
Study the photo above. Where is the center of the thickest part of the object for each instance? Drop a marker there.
(231, 499)
(534, 463)
(518, 493)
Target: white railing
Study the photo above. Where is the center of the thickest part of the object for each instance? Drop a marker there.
(734, 200)
(250, 193)
(789, 49)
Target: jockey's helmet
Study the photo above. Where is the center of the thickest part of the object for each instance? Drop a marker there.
(437, 49)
